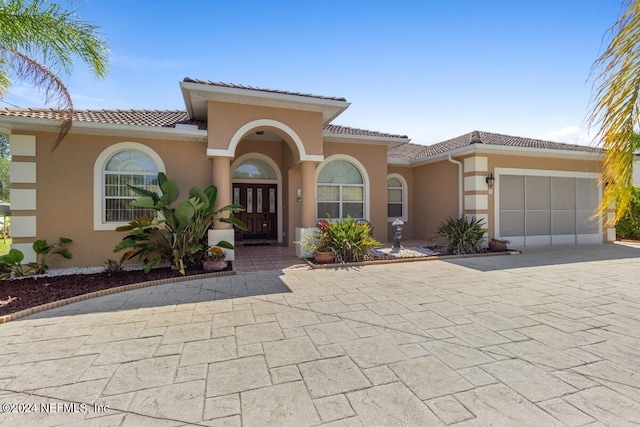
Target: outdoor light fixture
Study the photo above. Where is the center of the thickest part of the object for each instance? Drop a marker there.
(490, 179)
(260, 132)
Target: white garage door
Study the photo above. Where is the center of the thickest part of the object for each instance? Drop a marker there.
(547, 210)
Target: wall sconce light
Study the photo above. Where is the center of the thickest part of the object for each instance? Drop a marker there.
(490, 179)
(299, 195)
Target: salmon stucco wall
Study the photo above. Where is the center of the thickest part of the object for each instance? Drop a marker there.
(225, 119)
(65, 189)
(435, 197)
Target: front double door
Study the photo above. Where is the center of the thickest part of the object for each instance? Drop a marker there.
(260, 214)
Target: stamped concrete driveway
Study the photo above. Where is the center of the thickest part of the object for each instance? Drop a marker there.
(550, 337)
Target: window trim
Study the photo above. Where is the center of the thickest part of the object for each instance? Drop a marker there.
(365, 181)
(98, 179)
(405, 201)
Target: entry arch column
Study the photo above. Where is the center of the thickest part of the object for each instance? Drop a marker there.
(308, 170)
(222, 180)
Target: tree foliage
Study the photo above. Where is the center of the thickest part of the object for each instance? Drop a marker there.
(615, 110)
(39, 41)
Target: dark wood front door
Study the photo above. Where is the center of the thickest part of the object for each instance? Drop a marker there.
(260, 214)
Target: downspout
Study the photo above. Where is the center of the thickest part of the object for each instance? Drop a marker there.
(456, 162)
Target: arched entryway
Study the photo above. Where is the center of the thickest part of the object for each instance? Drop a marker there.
(257, 185)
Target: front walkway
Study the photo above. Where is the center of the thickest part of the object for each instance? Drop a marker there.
(550, 337)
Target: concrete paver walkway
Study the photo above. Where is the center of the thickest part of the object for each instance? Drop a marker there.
(550, 337)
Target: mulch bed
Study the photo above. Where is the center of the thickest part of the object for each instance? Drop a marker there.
(20, 294)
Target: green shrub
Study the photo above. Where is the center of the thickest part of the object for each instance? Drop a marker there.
(180, 237)
(629, 225)
(462, 235)
(11, 264)
(349, 241)
(44, 250)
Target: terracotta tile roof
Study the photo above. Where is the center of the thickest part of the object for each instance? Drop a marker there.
(415, 151)
(345, 130)
(236, 86)
(154, 118)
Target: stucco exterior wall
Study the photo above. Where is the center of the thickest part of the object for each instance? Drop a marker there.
(435, 197)
(224, 120)
(65, 189)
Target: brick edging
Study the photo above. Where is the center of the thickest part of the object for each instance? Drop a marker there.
(133, 286)
(412, 259)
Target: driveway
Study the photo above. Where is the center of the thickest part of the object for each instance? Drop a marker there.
(549, 337)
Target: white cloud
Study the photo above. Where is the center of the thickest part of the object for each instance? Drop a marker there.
(569, 135)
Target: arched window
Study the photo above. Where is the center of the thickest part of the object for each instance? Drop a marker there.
(341, 191)
(254, 169)
(128, 167)
(396, 197)
(119, 165)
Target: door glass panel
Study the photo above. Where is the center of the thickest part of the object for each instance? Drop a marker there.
(272, 200)
(249, 200)
(259, 200)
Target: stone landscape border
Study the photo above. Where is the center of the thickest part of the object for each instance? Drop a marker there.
(409, 259)
(133, 286)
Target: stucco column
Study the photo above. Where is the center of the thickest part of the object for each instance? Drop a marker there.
(308, 193)
(222, 180)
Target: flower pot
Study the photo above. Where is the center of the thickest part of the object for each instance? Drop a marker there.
(214, 265)
(496, 245)
(323, 257)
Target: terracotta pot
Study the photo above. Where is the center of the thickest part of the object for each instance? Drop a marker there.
(214, 265)
(323, 257)
(496, 245)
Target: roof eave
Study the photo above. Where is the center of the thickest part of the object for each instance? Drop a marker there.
(513, 151)
(390, 142)
(330, 108)
(49, 125)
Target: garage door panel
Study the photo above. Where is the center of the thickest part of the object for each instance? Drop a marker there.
(563, 193)
(586, 194)
(544, 210)
(512, 223)
(538, 223)
(511, 192)
(586, 222)
(538, 193)
(564, 222)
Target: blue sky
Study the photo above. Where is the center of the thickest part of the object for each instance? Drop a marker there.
(431, 69)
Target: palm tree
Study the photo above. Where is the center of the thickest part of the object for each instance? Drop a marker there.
(615, 109)
(38, 43)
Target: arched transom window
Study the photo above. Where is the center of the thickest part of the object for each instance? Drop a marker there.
(340, 191)
(127, 167)
(254, 169)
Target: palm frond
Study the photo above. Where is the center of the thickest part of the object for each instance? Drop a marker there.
(615, 108)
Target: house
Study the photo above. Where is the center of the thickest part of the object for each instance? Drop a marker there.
(279, 154)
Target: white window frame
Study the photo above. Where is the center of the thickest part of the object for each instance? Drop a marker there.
(365, 179)
(405, 204)
(98, 179)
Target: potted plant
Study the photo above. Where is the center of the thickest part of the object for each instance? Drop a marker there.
(318, 243)
(497, 245)
(214, 259)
